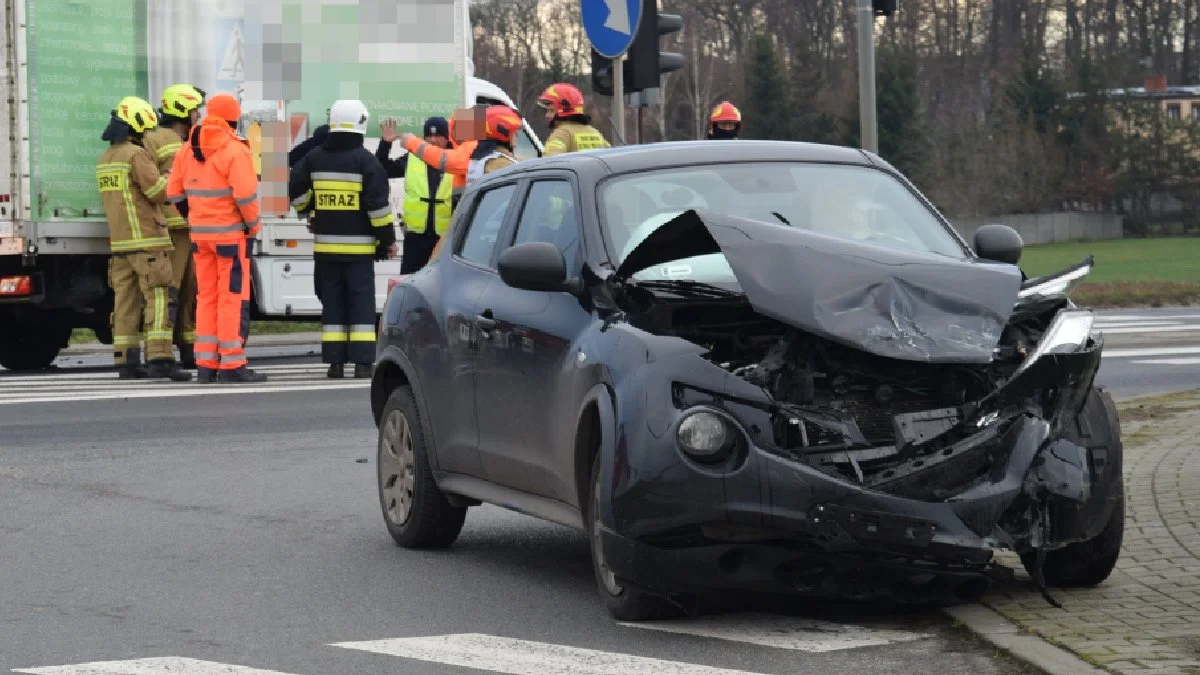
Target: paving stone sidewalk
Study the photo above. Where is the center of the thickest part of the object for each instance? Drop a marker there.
(1145, 619)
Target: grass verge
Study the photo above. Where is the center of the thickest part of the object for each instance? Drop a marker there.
(82, 336)
(1128, 272)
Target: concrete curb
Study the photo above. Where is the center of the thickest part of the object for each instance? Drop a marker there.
(1006, 635)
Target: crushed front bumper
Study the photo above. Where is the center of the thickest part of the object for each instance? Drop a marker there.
(769, 521)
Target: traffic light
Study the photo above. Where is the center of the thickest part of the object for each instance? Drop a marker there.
(602, 75)
(884, 7)
(644, 63)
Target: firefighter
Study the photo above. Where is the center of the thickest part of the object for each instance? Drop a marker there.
(495, 151)
(571, 128)
(139, 269)
(428, 192)
(725, 122)
(213, 177)
(345, 190)
(179, 113)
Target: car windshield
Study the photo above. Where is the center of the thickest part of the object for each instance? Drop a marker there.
(847, 202)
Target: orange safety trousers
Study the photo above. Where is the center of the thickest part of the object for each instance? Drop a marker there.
(222, 303)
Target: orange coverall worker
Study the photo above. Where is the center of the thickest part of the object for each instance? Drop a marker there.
(213, 174)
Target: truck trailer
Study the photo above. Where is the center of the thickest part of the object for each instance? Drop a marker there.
(68, 62)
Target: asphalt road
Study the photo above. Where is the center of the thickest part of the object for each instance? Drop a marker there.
(213, 528)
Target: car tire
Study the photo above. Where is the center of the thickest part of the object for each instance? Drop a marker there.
(415, 510)
(623, 604)
(1089, 563)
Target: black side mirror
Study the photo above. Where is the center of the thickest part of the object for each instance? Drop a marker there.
(1000, 243)
(534, 266)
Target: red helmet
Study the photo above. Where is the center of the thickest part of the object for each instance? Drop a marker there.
(501, 123)
(564, 99)
(725, 112)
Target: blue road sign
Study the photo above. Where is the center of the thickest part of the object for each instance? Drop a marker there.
(611, 24)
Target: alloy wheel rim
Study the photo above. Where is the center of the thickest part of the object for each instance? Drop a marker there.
(397, 467)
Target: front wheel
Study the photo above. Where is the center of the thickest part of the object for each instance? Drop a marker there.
(415, 510)
(33, 346)
(624, 604)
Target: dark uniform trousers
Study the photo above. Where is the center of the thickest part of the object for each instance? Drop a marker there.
(347, 294)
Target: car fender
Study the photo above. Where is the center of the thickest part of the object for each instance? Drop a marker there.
(383, 383)
(600, 395)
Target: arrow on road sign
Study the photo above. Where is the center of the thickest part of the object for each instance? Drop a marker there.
(618, 16)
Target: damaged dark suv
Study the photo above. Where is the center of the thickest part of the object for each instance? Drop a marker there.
(749, 366)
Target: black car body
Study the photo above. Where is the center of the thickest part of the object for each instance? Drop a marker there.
(833, 414)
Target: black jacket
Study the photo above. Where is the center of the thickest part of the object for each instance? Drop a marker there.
(396, 167)
(320, 135)
(345, 191)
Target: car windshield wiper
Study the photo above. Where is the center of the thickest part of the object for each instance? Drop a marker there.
(689, 288)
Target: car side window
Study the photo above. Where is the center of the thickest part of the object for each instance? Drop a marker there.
(484, 228)
(549, 216)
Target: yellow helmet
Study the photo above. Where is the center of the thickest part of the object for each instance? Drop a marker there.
(180, 99)
(137, 113)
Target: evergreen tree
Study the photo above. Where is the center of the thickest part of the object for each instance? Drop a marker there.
(902, 136)
(766, 113)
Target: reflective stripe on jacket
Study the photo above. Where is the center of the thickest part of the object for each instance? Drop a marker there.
(417, 199)
(572, 137)
(346, 192)
(162, 143)
(132, 191)
(485, 165)
(214, 172)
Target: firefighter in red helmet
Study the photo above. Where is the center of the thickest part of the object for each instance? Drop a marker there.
(725, 122)
(571, 127)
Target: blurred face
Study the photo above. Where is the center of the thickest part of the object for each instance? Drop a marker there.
(469, 125)
(727, 126)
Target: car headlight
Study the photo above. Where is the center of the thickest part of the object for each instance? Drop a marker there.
(704, 435)
(1068, 333)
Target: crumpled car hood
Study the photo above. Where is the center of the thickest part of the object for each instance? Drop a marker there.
(893, 303)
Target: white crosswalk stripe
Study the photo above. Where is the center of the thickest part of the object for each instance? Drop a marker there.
(1165, 326)
(106, 385)
(497, 654)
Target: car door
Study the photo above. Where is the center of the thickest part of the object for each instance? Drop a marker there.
(461, 281)
(523, 390)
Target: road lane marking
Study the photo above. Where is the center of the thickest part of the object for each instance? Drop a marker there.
(521, 657)
(1170, 362)
(185, 390)
(782, 632)
(1150, 329)
(168, 665)
(1150, 351)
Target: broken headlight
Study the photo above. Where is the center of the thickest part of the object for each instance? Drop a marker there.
(1068, 333)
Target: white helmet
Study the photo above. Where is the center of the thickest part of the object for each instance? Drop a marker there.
(348, 116)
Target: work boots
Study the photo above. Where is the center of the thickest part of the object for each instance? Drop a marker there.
(169, 369)
(132, 369)
(239, 375)
(336, 371)
(187, 356)
(206, 375)
(362, 370)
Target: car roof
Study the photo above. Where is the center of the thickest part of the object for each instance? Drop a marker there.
(628, 158)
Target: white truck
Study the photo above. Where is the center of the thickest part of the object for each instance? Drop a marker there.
(67, 63)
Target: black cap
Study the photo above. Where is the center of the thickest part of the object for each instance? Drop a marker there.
(437, 126)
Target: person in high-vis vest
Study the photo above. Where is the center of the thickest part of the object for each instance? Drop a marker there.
(343, 190)
(495, 149)
(454, 160)
(139, 269)
(725, 122)
(213, 178)
(571, 126)
(179, 113)
(427, 192)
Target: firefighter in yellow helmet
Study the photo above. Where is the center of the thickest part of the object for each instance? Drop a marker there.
(139, 270)
(571, 128)
(180, 111)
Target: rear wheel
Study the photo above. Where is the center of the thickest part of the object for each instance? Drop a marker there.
(32, 346)
(624, 604)
(415, 510)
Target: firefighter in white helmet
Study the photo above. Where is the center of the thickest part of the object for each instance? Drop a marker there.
(343, 189)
